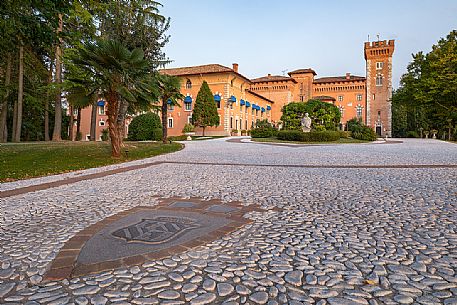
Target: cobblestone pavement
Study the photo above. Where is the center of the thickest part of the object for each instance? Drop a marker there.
(338, 235)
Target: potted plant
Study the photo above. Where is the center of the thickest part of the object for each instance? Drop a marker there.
(243, 132)
(434, 131)
(188, 130)
(234, 132)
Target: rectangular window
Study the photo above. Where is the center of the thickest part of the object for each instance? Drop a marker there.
(171, 107)
(101, 123)
(340, 98)
(218, 104)
(359, 111)
(101, 110)
(188, 106)
(170, 122)
(359, 97)
(379, 65)
(231, 123)
(189, 119)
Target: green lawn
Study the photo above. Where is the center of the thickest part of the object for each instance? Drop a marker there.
(340, 141)
(34, 159)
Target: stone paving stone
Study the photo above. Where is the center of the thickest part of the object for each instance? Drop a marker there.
(323, 235)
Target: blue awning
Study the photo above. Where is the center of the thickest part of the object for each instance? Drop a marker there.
(233, 99)
(187, 99)
(169, 101)
(248, 104)
(268, 107)
(217, 97)
(263, 109)
(242, 102)
(101, 103)
(254, 106)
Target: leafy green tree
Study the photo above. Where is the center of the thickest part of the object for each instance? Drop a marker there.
(138, 24)
(428, 91)
(169, 88)
(324, 116)
(119, 75)
(205, 109)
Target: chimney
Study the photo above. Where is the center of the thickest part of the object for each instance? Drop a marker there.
(269, 75)
(235, 67)
(348, 75)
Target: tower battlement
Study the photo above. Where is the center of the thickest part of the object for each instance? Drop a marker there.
(382, 48)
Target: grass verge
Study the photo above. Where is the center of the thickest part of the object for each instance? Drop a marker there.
(36, 159)
(340, 141)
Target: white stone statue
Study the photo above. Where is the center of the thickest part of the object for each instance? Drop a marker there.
(306, 123)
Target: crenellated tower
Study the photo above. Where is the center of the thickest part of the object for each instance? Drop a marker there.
(378, 56)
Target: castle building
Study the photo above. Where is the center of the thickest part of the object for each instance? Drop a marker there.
(242, 101)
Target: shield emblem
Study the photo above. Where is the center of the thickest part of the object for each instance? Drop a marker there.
(157, 230)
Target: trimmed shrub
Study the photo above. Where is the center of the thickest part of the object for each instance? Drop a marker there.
(314, 136)
(263, 129)
(145, 127)
(105, 134)
(360, 131)
(412, 134)
(262, 133)
(345, 134)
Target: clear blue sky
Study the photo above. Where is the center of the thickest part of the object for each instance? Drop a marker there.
(265, 36)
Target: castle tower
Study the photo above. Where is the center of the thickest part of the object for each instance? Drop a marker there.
(378, 56)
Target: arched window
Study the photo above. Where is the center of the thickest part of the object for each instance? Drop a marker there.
(379, 80)
(188, 84)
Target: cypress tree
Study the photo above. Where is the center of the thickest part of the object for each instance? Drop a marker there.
(205, 110)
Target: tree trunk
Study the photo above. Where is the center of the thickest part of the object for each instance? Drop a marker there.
(115, 139)
(13, 128)
(56, 135)
(4, 109)
(46, 105)
(78, 126)
(93, 121)
(71, 125)
(164, 121)
(120, 120)
(20, 95)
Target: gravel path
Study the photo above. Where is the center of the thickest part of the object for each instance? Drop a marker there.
(341, 236)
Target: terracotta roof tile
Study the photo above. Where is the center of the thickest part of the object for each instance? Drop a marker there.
(272, 78)
(335, 79)
(309, 70)
(211, 68)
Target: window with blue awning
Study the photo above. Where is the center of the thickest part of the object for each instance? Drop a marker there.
(263, 109)
(248, 104)
(217, 97)
(187, 99)
(242, 102)
(169, 101)
(268, 107)
(233, 99)
(101, 103)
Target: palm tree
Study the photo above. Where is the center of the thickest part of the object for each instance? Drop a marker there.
(121, 76)
(170, 93)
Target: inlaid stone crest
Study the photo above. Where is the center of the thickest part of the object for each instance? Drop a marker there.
(157, 230)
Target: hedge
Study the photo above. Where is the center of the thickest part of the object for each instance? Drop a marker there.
(314, 136)
(145, 127)
(263, 132)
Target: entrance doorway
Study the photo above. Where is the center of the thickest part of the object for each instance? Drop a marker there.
(378, 130)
